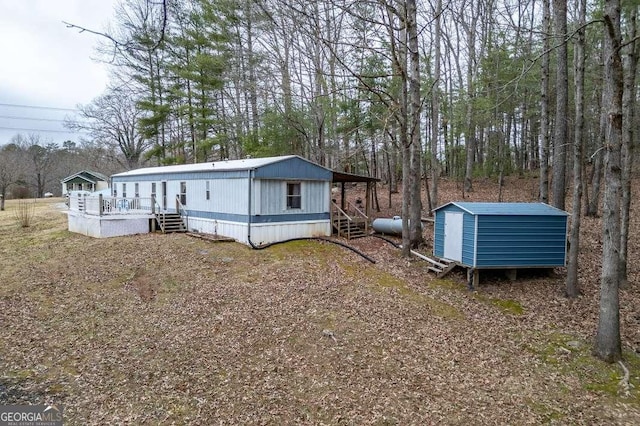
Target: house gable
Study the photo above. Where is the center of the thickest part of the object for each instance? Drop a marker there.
(85, 176)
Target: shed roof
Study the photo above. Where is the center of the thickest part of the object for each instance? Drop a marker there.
(507, 209)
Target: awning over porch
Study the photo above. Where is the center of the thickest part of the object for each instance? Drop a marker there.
(343, 177)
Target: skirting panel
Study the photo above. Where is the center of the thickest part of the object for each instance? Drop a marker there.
(107, 226)
(261, 233)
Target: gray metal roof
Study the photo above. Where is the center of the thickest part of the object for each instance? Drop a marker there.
(507, 209)
(288, 168)
(227, 165)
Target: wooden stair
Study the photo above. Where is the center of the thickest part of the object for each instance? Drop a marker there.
(440, 266)
(348, 229)
(170, 223)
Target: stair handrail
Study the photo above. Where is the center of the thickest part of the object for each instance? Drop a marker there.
(341, 213)
(361, 214)
(159, 212)
(337, 207)
(181, 209)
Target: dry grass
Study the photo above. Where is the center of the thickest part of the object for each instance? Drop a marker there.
(162, 329)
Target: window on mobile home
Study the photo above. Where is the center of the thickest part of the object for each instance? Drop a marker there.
(294, 195)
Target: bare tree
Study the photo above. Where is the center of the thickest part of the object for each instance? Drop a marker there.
(414, 118)
(38, 160)
(10, 169)
(470, 29)
(630, 66)
(435, 108)
(113, 119)
(562, 105)
(572, 289)
(544, 103)
(608, 344)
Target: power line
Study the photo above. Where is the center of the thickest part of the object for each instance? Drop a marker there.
(37, 107)
(24, 129)
(13, 117)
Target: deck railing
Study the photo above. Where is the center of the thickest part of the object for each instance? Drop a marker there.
(103, 206)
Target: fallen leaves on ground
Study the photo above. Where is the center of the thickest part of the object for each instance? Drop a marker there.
(168, 329)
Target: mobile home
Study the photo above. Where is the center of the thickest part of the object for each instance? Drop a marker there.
(255, 201)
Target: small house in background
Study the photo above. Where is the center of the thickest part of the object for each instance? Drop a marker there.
(501, 235)
(84, 181)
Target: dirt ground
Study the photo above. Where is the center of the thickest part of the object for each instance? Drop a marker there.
(170, 329)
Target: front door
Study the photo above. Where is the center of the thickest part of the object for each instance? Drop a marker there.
(183, 193)
(453, 236)
(163, 187)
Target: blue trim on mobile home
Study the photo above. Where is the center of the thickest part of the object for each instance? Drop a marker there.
(506, 235)
(182, 176)
(240, 218)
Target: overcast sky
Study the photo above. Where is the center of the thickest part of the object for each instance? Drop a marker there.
(45, 64)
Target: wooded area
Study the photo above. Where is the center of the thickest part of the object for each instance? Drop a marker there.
(404, 90)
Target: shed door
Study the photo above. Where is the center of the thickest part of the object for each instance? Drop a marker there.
(453, 236)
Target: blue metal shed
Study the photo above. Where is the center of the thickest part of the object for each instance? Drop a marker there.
(501, 235)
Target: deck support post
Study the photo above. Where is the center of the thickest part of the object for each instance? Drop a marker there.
(473, 278)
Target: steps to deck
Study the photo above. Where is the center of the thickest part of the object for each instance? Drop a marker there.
(170, 222)
(348, 229)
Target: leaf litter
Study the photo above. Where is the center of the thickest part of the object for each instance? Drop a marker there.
(168, 329)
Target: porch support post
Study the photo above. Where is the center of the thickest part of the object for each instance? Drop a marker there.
(367, 210)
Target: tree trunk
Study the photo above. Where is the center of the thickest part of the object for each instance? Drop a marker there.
(572, 288)
(414, 118)
(562, 105)
(544, 105)
(470, 137)
(251, 65)
(435, 105)
(628, 111)
(608, 344)
(596, 173)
